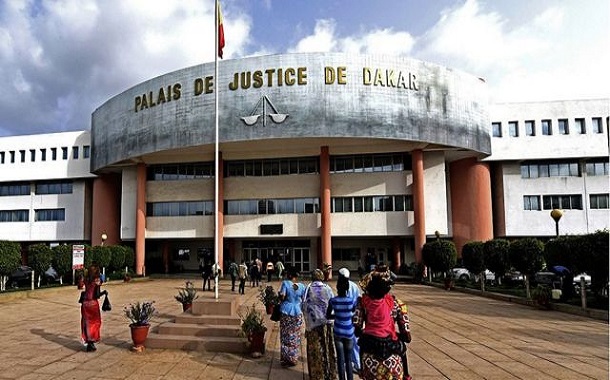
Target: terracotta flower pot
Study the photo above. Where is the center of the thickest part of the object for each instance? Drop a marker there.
(139, 334)
(269, 308)
(257, 342)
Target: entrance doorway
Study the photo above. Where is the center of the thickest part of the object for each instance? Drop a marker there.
(293, 253)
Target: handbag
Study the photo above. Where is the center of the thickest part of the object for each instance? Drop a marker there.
(106, 305)
(276, 314)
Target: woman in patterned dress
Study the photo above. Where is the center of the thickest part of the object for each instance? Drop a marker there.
(291, 292)
(377, 313)
(321, 354)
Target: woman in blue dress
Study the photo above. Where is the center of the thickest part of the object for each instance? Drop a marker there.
(291, 292)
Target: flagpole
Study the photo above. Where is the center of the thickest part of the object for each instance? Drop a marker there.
(216, 163)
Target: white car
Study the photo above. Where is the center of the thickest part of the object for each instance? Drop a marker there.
(463, 274)
(587, 279)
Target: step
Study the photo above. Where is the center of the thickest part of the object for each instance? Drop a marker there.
(225, 320)
(196, 329)
(237, 345)
(210, 306)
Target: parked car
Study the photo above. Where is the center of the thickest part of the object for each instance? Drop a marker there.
(22, 276)
(463, 274)
(587, 279)
(51, 275)
(513, 277)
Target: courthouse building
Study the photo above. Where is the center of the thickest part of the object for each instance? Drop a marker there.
(322, 158)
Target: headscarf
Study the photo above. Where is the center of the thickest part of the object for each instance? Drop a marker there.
(382, 272)
(317, 275)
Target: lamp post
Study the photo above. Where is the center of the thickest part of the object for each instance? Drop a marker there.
(104, 237)
(556, 214)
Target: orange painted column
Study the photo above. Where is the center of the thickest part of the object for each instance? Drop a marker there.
(472, 215)
(220, 211)
(106, 209)
(419, 227)
(140, 219)
(325, 206)
(396, 253)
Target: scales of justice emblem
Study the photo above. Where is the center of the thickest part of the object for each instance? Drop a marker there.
(263, 102)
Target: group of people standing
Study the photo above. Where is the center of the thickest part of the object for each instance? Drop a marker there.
(369, 334)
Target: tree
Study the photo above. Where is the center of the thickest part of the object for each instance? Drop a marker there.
(594, 253)
(10, 258)
(117, 260)
(526, 255)
(40, 259)
(101, 256)
(440, 255)
(130, 257)
(62, 260)
(497, 259)
(474, 260)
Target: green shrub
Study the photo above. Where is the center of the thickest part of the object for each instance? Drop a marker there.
(497, 258)
(10, 257)
(40, 258)
(62, 259)
(439, 255)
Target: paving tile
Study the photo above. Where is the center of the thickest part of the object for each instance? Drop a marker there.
(455, 336)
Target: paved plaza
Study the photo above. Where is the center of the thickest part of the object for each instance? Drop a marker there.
(455, 336)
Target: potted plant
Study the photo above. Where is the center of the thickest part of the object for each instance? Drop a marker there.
(269, 297)
(187, 295)
(140, 314)
(253, 328)
(542, 294)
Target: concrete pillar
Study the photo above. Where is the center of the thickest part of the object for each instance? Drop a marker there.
(419, 227)
(326, 244)
(140, 219)
(470, 202)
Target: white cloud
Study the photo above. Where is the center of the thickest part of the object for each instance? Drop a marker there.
(379, 41)
(60, 60)
(544, 57)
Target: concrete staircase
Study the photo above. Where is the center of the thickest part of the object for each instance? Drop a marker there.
(210, 325)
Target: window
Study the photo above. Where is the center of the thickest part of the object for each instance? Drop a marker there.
(22, 155)
(14, 216)
(1, 157)
(564, 202)
(43, 154)
(546, 128)
(174, 172)
(86, 151)
(14, 188)
(53, 154)
(75, 152)
(185, 208)
(32, 155)
(597, 125)
(598, 201)
(513, 129)
(496, 129)
(552, 169)
(64, 153)
(580, 126)
(562, 126)
(530, 128)
(370, 163)
(596, 167)
(531, 202)
(50, 215)
(272, 206)
(54, 187)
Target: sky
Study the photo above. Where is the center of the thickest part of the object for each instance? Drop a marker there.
(62, 59)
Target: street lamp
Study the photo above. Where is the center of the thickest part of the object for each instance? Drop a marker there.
(104, 237)
(556, 214)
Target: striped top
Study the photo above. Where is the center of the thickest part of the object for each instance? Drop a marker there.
(343, 308)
